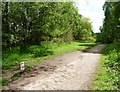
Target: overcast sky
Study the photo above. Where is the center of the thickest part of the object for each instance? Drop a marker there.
(93, 10)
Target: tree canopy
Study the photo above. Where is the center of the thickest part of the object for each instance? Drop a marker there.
(110, 31)
(32, 23)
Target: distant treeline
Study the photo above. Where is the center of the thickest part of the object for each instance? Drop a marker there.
(31, 23)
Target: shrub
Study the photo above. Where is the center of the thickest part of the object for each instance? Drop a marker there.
(40, 50)
(113, 61)
(108, 74)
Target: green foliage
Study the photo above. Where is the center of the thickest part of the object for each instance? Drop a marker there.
(111, 25)
(41, 50)
(12, 58)
(83, 30)
(25, 24)
(3, 81)
(27, 29)
(28, 68)
(17, 75)
(30, 61)
(114, 59)
(108, 75)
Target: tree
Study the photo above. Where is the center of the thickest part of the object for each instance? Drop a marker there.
(110, 29)
(33, 23)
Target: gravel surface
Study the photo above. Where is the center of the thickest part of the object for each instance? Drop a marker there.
(72, 71)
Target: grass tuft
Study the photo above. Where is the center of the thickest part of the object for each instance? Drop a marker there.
(3, 81)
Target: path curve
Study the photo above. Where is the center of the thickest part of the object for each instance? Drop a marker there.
(72, 71)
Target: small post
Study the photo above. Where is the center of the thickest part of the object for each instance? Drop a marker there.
(22, 66)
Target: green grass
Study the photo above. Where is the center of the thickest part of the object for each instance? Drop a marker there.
(65, 47)
(108, 73)
(34, 55)
(3, 81)
(12, 57)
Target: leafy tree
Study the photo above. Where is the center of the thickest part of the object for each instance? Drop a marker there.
(25, 24)
(110, 29)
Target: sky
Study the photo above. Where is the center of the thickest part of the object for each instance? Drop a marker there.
(93, 10)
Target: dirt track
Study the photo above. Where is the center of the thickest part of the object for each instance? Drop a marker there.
(72, 71)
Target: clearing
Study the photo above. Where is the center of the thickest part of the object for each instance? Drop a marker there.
(71, 71)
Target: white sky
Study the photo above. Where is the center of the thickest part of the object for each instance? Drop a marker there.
(93, 10)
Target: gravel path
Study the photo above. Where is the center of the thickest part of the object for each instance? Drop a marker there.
(72, 71)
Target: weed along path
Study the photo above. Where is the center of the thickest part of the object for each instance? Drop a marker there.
(72, 71)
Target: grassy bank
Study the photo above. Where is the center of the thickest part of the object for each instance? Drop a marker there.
(108, 73)
(34, 55)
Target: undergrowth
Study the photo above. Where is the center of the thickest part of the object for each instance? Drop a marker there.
(108, 74)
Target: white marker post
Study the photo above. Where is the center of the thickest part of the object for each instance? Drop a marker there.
(22, 66)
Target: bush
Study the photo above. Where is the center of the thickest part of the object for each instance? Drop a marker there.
(114, 59)
(108, 74)
(113, 53)
(40, 50)
(113, 62)
(11, 57)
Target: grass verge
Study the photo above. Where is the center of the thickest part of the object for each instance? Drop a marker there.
(34, 55)
(108, 73)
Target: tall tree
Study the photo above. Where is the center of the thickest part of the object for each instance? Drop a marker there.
(32, 23)
(111, 25)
